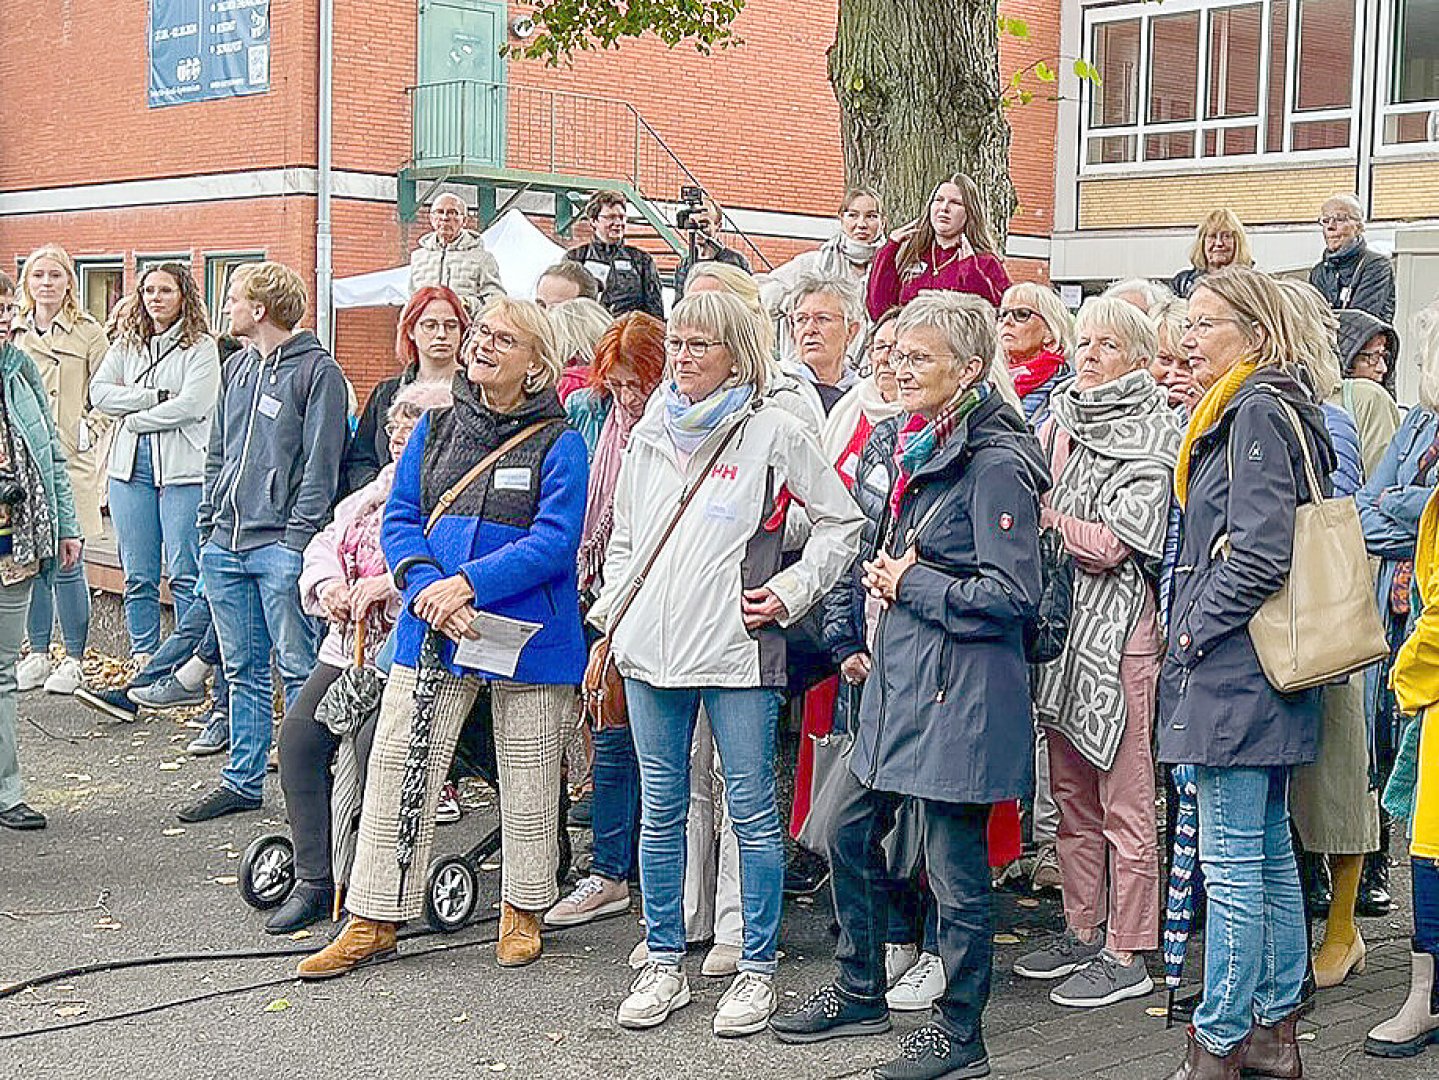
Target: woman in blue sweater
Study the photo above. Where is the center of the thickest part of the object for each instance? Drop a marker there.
(502, 543)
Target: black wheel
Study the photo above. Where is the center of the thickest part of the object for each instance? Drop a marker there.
(267, 871)
(451, 892)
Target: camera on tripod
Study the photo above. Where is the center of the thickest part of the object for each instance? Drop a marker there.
(694, 200)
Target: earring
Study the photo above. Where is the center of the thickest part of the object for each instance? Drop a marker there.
(532, 382)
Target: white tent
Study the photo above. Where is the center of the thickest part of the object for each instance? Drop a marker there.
(523, 252)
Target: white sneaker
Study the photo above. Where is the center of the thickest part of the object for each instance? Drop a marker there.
(656, 992)
(67, 677)
(447, 810)
(31, 673)
(897, 960)
(919, 987)
(746, 1006)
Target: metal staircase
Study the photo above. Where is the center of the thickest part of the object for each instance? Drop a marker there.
(507, 141)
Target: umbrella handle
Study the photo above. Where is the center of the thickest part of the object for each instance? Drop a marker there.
(360, 642)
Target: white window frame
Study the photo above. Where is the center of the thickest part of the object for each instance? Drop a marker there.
(86, 263)
(144, 261)
(1383, 110)
(219, 267)
(1147, 12)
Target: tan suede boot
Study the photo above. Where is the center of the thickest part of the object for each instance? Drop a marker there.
(519, 942)
(362, 941)
(1273, 1051)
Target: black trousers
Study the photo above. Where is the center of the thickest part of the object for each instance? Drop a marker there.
(956, 858)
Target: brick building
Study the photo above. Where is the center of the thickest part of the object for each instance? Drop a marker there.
(85, 159)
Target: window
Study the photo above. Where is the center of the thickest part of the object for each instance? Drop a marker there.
(218, 270)
(144, 262)
(1223, 79)
(102, 284)
(1411, 112)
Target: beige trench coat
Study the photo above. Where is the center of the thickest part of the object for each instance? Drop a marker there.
(68, 356)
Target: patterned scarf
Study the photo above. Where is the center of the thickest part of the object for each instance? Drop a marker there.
(918, 439)
(690, 422)
(31, 521)
(600, 500)
(1206, 414)
(1399, 587)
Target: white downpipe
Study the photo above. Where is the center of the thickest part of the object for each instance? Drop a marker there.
(324, 246)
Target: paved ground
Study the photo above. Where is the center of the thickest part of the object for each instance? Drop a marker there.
(111, 792)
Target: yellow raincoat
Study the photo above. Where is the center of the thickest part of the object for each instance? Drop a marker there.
(1416, 683)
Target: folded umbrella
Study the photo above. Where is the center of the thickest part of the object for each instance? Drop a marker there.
(428, 673)
(1179, 909)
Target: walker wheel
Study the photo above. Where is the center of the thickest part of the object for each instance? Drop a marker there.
(451, 893)
(267, 871)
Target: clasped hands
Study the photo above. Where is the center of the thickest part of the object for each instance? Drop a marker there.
(882, 574)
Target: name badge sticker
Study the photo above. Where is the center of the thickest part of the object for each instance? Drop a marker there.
(512, 479)
(269, 406)
(721, 511)
(624, 266)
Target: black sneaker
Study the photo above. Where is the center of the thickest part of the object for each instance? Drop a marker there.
(830, 1014)
(115, 704)
(929, 1053)
(218, 803)
(22, 817)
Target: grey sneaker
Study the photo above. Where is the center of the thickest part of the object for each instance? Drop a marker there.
(594, 898)
(746, 1006)
(1063, 956)
(657, 991)
(1103, 981)
(167, 693)
(215, 739)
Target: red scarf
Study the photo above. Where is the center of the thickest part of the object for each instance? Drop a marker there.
(1032, 374)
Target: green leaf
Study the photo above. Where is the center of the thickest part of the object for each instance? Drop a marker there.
(1026, 96)
(1086, 71)
(1043, 72)
(1015, 28)
(278, 1005)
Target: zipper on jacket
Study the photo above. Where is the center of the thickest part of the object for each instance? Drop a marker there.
(942, 682)
(877, 671)
(245, 451)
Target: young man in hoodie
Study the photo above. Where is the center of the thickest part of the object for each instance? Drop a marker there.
(270, 476)
(454, 256)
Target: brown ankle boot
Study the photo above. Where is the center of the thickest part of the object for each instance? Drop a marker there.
(362, 941)
(1273, 1051)
(1200, 1064)
(519, 942)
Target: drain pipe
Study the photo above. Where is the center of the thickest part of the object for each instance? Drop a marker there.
(324, 247)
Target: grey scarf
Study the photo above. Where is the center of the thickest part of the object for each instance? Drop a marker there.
(1125, 441)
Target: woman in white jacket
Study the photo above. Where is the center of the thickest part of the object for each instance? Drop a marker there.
(704, 626)
(160, 380)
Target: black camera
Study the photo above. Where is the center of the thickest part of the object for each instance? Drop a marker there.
(694, 200)
(11, 491)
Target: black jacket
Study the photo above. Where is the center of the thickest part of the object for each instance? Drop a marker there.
(1355, 277)
(368, 450)
(1356, 327)
(719, 253)
(628, 277)
(1182, 284)
(945, 714)
(1216, 707)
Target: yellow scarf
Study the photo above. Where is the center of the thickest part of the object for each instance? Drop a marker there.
(1206, 414)
(1416, 666)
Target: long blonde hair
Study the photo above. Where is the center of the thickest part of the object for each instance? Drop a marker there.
(70, 306)
(1261, 307)
(1221, 220)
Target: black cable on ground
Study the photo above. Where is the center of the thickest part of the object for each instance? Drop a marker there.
(176, 958)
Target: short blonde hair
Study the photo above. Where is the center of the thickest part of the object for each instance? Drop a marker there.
(735, 323)
(70, 306)
(1057, 319)
(1168, 318)
(277, 288)
(1261, 309)
(1153, 293)
(1313, 336)
(1125, 320)
(1221, 220)
(529, 318)
(578, 325)
(741, 284)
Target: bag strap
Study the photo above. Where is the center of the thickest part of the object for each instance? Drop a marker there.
(669, 530)
(484, 465)
(1316, 495)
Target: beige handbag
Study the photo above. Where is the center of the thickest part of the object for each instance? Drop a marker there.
(1323, 623)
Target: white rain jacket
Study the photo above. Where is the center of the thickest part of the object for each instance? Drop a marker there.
(685, 628)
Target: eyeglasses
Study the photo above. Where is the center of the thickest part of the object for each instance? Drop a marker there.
(433, 326)
(1377, 356)
(1202, 327)
(821, 321)
(916, 361)
(618, 387)
(1017, 314)
(504, 342)
(610, 218)
(880, 353)
(405, 424)
(1220, 237)
(9, 308)
(1336, 219)
(694, 348)
(447, 213)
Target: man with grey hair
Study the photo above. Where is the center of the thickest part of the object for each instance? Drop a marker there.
(1144, 294)
(826, 317)
(455, 256)
(1349, 274)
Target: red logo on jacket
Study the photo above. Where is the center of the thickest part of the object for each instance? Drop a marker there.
(725, 472)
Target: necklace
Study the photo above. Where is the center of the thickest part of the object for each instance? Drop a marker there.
(936, 265)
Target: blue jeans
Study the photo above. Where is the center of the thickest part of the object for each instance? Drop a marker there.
(194, 635)
(744, 722)
(1255, 947)
(67, 590)
(149, 519)
(616, 802)
(255, 600)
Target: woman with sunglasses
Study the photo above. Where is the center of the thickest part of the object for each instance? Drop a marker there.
(1036, 334)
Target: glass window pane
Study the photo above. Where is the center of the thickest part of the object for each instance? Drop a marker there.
(1278, 61)
(1321, 135)
(1326, 54)
(1234, 61)
(1416, 53)
(1412, 128)
(101, 287)
(1111, 149)
(1115, 50)
(1173, 67)
(1231, 142)
(1169, 146)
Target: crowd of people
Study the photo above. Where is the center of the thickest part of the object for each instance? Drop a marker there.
(878, 569)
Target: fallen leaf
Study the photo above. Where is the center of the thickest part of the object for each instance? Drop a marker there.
(555, 1037)
(107, 924)
(1305, 1036)
(226, 879)
(278, 1005)
(1157, 1012)
(463, 1018)
(498, 1066)
(169, 766)
(1027, 901)
(489, 866)
(79, 777)
(300, 935)
(232, 854)
(1005, 939)
(172, 832)
(71, 1010)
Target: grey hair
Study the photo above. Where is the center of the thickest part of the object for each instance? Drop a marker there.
(965, 320)
(1132, 326)
(1154, 293)
(735, 323)
(1057, 319)
(1350, 203)
(1168, 318)
(1426, 338)
(578, 324)
(851, 303)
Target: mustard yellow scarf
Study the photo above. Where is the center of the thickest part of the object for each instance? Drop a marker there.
(1206, 414)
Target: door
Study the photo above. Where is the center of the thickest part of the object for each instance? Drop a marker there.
(460, 103)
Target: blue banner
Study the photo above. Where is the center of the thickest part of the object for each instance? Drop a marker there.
(201, 50)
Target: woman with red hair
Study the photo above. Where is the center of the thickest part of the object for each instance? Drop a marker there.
(629, 363)
(427, 345)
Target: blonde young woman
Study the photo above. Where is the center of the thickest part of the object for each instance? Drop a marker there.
(1219, 241)
(67, 345)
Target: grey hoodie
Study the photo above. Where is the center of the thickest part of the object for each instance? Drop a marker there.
(275, 447)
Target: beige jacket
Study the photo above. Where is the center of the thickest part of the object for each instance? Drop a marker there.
(68, 355)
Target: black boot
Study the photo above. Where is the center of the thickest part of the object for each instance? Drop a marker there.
(1318, 891)
(1374, 899)
(307, 904)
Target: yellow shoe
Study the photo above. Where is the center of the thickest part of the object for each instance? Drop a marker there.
(519, 942)
(362, 941)
(1331, 967)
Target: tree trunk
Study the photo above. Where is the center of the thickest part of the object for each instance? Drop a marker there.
(917, 83)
